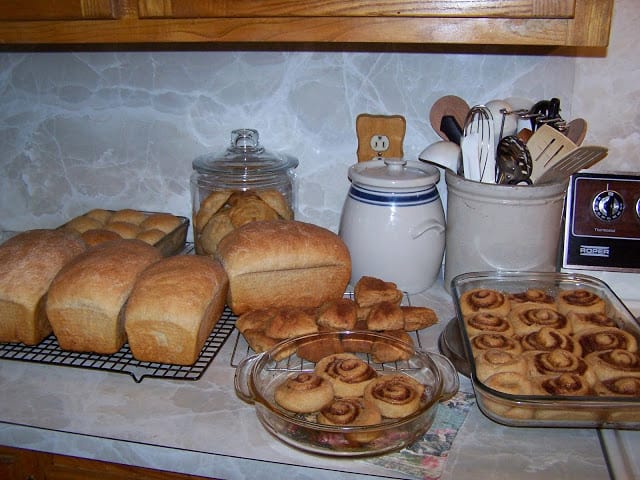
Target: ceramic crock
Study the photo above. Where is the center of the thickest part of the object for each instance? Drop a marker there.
(501, 227)
(393, 222)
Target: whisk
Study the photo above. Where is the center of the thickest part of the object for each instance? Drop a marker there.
(480, 164)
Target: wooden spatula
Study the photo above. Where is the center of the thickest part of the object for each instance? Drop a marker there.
(577, 159)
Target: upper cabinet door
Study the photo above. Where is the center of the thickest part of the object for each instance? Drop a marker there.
(584, 23)
(57, 10)
(356, 8)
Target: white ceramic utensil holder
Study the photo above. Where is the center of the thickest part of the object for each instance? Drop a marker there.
(501, 227)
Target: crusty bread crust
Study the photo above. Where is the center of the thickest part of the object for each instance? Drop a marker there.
(28, 263)
(278, 263)
(86, 298)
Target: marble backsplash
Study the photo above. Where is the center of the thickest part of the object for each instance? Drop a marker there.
(80, 130)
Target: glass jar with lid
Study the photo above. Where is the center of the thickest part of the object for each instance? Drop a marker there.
(244, 183)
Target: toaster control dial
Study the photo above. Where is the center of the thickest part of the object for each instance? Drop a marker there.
(608, 205)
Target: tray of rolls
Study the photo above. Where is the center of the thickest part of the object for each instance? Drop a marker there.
(549, 349)
(165, 231)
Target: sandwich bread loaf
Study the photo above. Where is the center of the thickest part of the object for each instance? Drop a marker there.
(173, 308)
(28, 263)
(86, 298)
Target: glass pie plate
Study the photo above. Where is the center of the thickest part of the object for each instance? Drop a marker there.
(536, 408)
(258, 376)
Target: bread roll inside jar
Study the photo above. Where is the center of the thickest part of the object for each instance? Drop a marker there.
(244, 183)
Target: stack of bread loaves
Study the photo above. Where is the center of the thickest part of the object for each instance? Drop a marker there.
(124, 290)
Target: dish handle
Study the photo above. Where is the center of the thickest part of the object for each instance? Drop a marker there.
(449, 374)
(242, 377)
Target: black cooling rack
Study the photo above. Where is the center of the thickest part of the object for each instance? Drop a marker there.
(49, 352)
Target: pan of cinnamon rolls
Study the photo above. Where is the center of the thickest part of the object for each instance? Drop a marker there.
(341, 401)
(549, 349)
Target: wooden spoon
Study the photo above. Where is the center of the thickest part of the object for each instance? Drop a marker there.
(576, 130)
(449, 105)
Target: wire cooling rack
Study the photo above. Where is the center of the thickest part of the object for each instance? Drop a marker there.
(241, 348)
(49, 352)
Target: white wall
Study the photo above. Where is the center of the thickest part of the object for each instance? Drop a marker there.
(120, 129)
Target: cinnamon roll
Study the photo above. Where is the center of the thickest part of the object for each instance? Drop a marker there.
(565, 384)
(579, 300)
(532, 297)
(304, 393)
(598, 339)
(484, 300)
(348, 374)
(513, 384)
(526, 320)
(486, 322)
(557, 362)
(383, 351)
(547, 339)
(614, 363)
(352, 412)
(396, 395)
(584, 321)
(487, 341)
(489, 362)
(622, 386)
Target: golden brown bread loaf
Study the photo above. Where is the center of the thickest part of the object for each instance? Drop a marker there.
(28, 263)
(173, 308)
(86, 297)
(283, 263)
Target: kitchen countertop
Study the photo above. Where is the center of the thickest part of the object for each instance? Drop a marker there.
(203, 428)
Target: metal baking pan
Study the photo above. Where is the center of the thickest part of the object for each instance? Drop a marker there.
(579, 411)
(171, 243)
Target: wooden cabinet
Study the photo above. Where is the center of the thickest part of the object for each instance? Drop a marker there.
(48, 10)
(481, 22)
(19, 464)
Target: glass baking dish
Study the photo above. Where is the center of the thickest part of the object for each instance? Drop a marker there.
(548, 410)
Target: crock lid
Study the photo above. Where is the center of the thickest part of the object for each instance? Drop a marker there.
(394, 173)
(245, 157)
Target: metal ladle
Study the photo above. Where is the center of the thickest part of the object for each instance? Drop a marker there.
(513, 162)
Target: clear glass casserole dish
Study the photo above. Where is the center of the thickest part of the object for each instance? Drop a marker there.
(258, 377)
(571, 349)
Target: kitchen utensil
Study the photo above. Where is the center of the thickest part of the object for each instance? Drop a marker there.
(257, 377)
(513, 162)
(546, 112)
(449, 105)
(576, 160)
(505, 121)
(546, 146)
(444, 154)
(451, 128)
(393, 222)
(469, 147)
(479, 131)
(576, 130)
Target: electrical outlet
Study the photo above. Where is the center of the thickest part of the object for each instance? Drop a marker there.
(380, 136)
(379, 143)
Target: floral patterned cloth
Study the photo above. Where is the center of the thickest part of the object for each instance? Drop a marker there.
(427, 457)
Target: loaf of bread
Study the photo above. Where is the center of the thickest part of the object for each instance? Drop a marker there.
(173, 307)
(86, 298)
(276, 263)
(28, 263)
